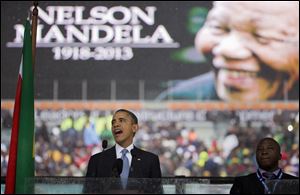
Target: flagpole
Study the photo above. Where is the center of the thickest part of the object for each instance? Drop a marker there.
(33, 30)
(21, 153)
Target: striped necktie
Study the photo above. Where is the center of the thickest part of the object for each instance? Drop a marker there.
(125, 170)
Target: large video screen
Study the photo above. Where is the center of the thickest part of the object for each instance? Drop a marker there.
(157, 50)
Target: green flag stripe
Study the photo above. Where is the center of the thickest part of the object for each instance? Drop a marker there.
(25, 157)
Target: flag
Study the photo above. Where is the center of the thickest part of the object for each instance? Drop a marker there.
(21, 154)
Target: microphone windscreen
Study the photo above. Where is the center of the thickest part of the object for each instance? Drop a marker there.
(119, 165)
(133, 152)
(104, 144)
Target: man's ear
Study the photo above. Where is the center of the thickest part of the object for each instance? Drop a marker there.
(135, 128)
(280, 156)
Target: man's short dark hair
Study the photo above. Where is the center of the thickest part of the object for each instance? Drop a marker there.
(134, 118)
(272, 140)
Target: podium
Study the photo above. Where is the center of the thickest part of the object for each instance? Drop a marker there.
(81, 185)
(171, 185)
(121, 186)
(283, 186)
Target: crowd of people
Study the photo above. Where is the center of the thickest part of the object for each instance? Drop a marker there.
(63, 149)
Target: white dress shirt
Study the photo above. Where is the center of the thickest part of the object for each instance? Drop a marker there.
(128, 154)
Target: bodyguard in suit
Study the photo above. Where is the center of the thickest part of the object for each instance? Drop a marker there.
(136, 162)
(267, 157)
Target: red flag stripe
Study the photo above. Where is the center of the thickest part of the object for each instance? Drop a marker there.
(11, 168)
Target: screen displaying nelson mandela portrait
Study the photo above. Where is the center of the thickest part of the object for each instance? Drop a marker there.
(157, 50)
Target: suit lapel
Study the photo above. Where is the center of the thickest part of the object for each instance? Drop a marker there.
(135, 166)
(110, 159)
(112, 153)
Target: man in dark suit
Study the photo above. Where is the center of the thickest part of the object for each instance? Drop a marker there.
(136, 163)
(267, 157)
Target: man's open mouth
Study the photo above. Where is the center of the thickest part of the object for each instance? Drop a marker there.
(239, 74)
(236, 80)
(118, 131)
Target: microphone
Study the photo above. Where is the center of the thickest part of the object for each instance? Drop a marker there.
(133, 153)
(117, 168)
(104, 144)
